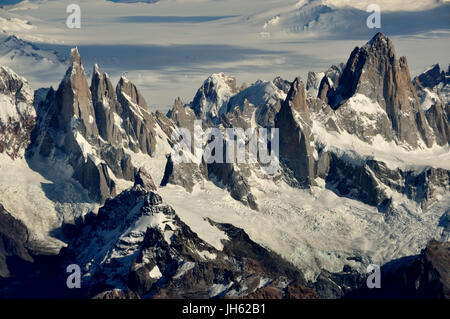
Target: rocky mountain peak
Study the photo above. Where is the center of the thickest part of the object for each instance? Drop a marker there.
(178, 103)
(282, 84)
(101, 86)
(96, 69)
(325, 89)
(380, 44)
(105, 104)
(294, 123)
(74, 107)
(13, 84)
(144, 179)
(213, 96)
(431, 77)
(75, 56)
(375, 72)
(296, 99)
(127, 88)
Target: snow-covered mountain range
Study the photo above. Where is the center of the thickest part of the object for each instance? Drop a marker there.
(243, 39)
(87, 177)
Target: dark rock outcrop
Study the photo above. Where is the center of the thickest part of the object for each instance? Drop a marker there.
(143, 179)
(213, 95)
(139, 245)
(106, 106)
(375, 72)
(438, 119)
(425, 276)
(13, 241)
(138, 123)
(370, 180)
(294, 123)
(431, 77)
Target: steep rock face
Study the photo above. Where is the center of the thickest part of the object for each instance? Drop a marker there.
(186, 175)
(139, 245)
(282, 84)
(74, 102)
(139, 124)
(372, 181)
(331, 76)
(145, 180)
(106, 107)
(213, 95)
(182, 116)
(375, 72)
(423, 276)
(131, 93)
(438, 119)
(313, 82)
(294, 123)
(265, 96)
(13, 241)
(433, 90)
(432, 77)
(17, 114)
(96, 130)
(362, 184)
(325, 90)
(68, 131)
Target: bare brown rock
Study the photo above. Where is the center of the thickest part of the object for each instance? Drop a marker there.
(294, 123)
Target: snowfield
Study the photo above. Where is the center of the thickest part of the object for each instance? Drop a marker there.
(313, 229)
(43, 205)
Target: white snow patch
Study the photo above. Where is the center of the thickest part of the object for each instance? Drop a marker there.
(361, 103)
(207, 255)
(217, 289)
(155, 273)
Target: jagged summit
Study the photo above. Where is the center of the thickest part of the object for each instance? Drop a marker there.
(379, 40)
(375, 72)
(431, 77)
(95, 128)
(75, 56)
(145, 180)
(213, 96)
(130, 90)
(96, 69)
(353, 163)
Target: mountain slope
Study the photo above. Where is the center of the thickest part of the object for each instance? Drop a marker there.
(364, 177)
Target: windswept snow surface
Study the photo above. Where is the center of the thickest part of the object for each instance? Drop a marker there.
(313, 229)
(42, 204)
(393, 155)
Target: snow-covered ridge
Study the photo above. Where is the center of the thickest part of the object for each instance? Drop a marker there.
(16, 97)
